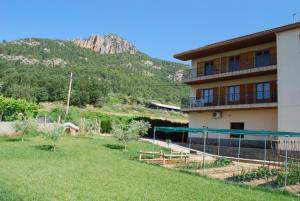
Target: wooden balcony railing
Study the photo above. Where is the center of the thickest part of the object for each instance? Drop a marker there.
(229, 99)
(224, 65)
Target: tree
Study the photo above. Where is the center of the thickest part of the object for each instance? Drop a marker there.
(54, 134)
(128, 132)
(26, 127)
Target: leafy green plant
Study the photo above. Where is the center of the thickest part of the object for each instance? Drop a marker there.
(260, 173)
(16, 109)
(128, 132)
(26, 127)
(220, 162)
(53, 133)
(293, 176)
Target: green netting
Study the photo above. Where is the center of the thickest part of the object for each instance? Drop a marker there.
(227, 131)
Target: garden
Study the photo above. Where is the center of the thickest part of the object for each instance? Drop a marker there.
(49, 164)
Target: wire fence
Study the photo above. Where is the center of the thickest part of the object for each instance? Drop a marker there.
(261, 158)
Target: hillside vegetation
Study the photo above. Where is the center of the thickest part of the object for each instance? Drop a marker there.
(38, 70)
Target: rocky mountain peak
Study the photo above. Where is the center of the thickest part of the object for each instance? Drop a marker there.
(108, 44)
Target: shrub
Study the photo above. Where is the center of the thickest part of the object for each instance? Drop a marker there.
(26, 127)
(15, 109)
(132, 131)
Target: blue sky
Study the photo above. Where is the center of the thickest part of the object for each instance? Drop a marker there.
(159, 28)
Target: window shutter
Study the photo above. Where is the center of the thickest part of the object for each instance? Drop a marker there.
(224, 63)
(273, 89)
(273, 55)
(200, 69)
(198, 94)
(242, 93)
(223, 95)
(250, 93)
(216, 95)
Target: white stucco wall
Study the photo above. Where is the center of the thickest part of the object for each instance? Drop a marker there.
(254, 119)
(288, 63)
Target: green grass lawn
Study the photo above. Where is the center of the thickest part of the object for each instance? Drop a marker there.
(91, 169)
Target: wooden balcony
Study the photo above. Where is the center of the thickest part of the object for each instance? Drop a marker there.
(245, 65)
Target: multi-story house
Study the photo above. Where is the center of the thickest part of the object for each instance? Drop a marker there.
(250, 82)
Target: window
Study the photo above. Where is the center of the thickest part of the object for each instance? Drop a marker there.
(239, 126)
(208, 96)
(234, 63)
(263, 91)
(209, 68)
(262, 58)
(233, 93)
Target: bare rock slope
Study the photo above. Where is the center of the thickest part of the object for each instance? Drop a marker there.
(108, 44)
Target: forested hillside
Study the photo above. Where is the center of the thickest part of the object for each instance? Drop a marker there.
(39, 69)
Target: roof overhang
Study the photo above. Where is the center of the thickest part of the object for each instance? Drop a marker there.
(235, 43)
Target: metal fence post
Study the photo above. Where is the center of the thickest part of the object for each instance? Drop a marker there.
(286, 161)
(239, 151)
(265, 153)
(153, 144)
(204, 148)
(219, 140)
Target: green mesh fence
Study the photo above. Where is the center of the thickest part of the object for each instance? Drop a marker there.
(227, 131)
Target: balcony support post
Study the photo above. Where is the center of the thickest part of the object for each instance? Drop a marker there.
(219, 95)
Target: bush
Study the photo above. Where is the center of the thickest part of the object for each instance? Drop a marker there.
(16, 109)
(132, 131)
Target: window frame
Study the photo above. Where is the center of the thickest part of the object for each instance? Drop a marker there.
(265, 94)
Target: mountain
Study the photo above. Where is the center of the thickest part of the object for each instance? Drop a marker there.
(108, 44)
(105, 69)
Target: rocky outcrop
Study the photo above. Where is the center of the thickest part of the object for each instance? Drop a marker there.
(32, 61)
(108, 44)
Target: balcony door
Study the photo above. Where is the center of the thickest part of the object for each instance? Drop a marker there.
(234, 64)
(208, 96)
(209, 68)
(233, 94)
(263, 92)
(262, 58)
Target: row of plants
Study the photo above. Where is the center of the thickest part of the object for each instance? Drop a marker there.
(277, 175)
(293, 175)
(262, 172)
(29, 127)
(220, 162)
(124, 133)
